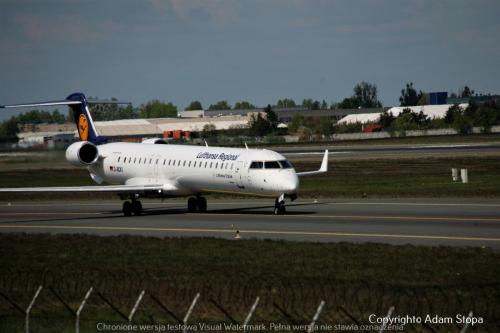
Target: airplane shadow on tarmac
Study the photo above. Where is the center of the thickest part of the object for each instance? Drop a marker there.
(117, 214)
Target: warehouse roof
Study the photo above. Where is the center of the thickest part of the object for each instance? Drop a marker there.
(432, 111)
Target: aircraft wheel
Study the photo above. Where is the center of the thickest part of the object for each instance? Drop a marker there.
(202, 204)
(137, 207)
(279, 208)
(127, 208)
(192, 203)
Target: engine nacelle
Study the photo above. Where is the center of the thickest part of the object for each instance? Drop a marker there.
(155, 141)
(82, 153)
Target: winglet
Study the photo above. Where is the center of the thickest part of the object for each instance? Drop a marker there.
(322, 169)
(324, 163)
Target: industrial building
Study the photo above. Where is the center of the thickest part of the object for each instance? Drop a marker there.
(431, 111)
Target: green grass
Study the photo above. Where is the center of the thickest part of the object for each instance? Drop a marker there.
(409, 177)
(360, 278)
(394, 177)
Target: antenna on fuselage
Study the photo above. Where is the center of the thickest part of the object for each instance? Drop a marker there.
(246, 146)
(206, 144)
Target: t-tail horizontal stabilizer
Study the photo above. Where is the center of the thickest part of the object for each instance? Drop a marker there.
(83, 119)
(322, 169)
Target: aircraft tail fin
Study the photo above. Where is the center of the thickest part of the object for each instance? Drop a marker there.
(81, 114)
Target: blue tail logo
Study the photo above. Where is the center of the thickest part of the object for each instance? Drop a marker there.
(83, 120)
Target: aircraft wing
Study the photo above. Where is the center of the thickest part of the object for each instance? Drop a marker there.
(104, 188)
(322, 169)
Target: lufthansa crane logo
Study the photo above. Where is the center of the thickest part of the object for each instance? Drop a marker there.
(83, 127)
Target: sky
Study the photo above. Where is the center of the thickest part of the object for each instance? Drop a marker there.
(259, 50)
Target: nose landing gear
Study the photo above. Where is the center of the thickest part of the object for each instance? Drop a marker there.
(197, 204)
(279, 205)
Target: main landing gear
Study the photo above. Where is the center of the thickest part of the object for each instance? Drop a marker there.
(197, 204)
(279, 205)
(132, 207)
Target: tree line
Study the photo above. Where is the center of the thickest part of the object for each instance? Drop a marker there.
(365, 95)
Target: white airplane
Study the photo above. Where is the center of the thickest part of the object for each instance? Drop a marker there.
(155, 169)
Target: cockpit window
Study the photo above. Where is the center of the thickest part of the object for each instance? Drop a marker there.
(285, 164)
(272, 165)
(256, 165)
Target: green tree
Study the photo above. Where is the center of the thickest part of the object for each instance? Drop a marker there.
(452, 113)
(259, 126)
(243, 105)
(106, 112)
(409, 96)
(424, 99)
(485, 118)
(220, 105)
(462, 124)
(157, 109)
(409, 120)
(466, 92)
(194, 105)
(271, 117)
(9, 130)
(366, 93)
(296, 122)
(386, 120)
(365, 96)
(349, 103)
(324, 105)
(209, 131)
(285, 103)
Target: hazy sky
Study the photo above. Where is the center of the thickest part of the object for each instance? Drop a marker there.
(181, 50)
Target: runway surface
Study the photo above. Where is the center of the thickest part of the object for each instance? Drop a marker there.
(454, 222)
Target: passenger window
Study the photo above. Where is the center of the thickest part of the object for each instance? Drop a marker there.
(164, 161)
(232, 164)
(169, 161)
(119, 158)
(256, 165)
(222, 165)
(184, 164)
(271, 165)
(211, 163)
(135, 159)
(216, 165)
(189, 164)
(157, 161)
(150, 160)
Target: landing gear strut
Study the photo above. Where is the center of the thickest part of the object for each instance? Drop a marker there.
(132, 207)
(279, 205)
(197, 204)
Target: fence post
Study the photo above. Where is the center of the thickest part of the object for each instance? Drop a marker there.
(316, 315)
(188, 313)
(80, 308)
(136, 305)
(464, 329)
(250, 313)
(386, 319)
(28, 310)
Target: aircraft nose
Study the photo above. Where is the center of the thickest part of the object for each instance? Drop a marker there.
(290, 183)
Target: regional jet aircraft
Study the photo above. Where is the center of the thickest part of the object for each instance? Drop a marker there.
(155, 169)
